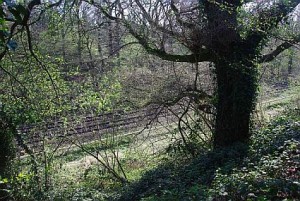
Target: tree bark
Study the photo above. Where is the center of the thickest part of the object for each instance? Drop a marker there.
(7, 146)
(215, 34)
(236, 82)
(7, 151)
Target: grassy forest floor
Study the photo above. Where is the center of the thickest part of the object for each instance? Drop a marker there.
(266, 169)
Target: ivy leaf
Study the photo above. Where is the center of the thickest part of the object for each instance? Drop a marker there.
(15, 12)
(9, 3)
(2, 13)
(5, 180)
(12, 45)
(21, 9)
(3, 35)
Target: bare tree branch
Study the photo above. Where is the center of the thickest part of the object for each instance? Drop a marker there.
(269, 17)
(279, 49)
(191, 58)
(179, 20)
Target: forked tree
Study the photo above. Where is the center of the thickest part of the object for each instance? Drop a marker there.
(229, 33)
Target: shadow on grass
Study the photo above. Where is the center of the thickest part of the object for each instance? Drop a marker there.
(179, 180)
(192, 179)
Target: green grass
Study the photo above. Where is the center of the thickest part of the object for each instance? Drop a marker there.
(75, 177)
(272, 96)
(265, 169)
(76, 153)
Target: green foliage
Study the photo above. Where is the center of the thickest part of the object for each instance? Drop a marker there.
(267, 169)
(97, 99)
(32, 92)
(25, 185)
(10, 11)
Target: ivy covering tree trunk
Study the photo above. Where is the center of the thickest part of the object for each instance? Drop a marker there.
(236, 94)
(7, 151)
(7, 148)
(229, 33)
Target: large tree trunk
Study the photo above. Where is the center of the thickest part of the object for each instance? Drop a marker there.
(7, 151)
(236, 82)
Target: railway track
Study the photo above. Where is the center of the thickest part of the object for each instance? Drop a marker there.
(89, 128)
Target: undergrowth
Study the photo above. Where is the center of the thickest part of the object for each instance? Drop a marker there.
(265, 169)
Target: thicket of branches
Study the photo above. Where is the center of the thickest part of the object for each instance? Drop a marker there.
(64, 59)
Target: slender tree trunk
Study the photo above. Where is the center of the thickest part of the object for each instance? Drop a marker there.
(63, 36)
(79, 34)
(236, 81)
(290, 62)
(117, 42)
(110, 38)
(79, 47)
